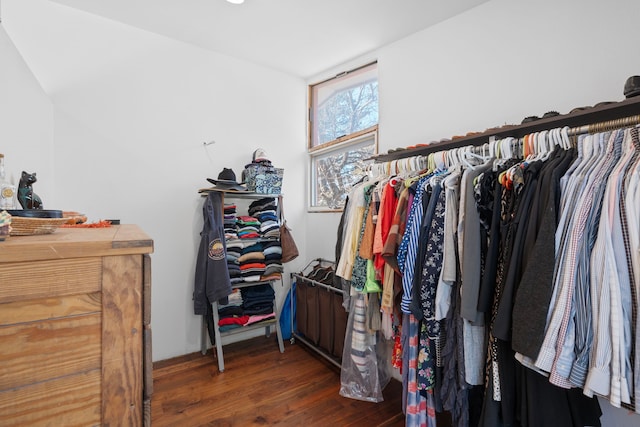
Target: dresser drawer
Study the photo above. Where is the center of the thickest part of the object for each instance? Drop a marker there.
(40, 279)
(33, 352)
(68, 401)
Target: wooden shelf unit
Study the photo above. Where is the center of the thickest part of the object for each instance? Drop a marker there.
(266, 324)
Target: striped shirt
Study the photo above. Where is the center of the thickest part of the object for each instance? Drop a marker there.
(409, 246)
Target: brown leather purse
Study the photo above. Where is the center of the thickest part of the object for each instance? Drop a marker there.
(287, 242)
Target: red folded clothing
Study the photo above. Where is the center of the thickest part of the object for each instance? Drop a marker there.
(259, 265)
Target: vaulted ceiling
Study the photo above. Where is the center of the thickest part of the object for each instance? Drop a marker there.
(299, 37)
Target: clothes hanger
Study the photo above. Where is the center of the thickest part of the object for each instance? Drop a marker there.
(492, 148)
(413, 163)
(552, 142)
(528, 147)
(431, 162)
(486, 153)
(542, 144)
(440, 157)
(505, 153)
(555, 139)
(408, 182)
(462, 155)
(422, 164)
(470, 152)
(566, 141)
(495, 148)
(505, 147)
(533, 146)
(452, 160)
(372, 170)
(517, 148)
(408, 164)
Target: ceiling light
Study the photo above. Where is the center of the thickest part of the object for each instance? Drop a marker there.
(236, 1)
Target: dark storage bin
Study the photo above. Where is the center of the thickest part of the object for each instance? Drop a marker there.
(325, 305)
(301, 307)
(313, 314)
(318, 304)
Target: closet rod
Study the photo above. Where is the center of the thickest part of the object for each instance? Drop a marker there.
(606, 125)
(318, 284)
(581, 117)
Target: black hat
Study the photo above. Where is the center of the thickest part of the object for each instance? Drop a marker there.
(227, 181)
(632, 87)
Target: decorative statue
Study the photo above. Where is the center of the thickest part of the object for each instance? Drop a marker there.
(27, 198)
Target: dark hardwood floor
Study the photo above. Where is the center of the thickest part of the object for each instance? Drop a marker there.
(261, 386)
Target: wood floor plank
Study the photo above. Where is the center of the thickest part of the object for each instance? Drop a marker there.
(260, 387)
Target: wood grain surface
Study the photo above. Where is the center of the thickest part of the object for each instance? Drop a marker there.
(69, 401)
(40, 279)
(261, 386)
(77, 243)
(122, 340)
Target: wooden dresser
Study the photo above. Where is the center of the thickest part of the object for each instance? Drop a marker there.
(75, 328)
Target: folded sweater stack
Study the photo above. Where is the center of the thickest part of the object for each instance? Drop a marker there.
(251, 262)
(265, 211)
(258, 299)
(230, 231)
(259, 308)
(248, 227)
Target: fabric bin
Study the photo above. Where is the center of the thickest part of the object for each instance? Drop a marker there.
(307, 316)
(263, 179)
(313, 315)
(325, 307)
(301, 307)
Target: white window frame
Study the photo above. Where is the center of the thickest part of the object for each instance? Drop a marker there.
(343, 146)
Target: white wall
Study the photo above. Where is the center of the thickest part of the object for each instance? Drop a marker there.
(502, 61)
(26, 122)
(129, 136)
(496, 64)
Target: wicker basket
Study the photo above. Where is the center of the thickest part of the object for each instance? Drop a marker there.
(23, 226)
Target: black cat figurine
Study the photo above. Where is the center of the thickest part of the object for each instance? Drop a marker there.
(27, 198)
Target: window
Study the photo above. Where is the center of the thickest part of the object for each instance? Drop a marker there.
(336, 169)
(343, 128)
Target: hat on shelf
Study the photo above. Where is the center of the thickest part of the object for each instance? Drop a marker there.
(632, 87)
(227, 181)
(260, 155)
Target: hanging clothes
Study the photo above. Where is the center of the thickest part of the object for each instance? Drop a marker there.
(507, 284)
(533, 295)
